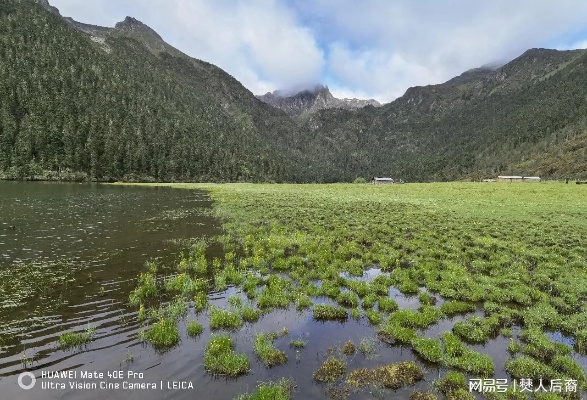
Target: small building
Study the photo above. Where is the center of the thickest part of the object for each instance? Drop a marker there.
(376, 180)
(515, 178)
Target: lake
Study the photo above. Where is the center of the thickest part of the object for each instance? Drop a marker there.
(69, 257)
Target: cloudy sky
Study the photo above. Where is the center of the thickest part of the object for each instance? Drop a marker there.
(368, 49)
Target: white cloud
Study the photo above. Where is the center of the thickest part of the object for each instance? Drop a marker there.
(384, 47)
(259, 42)
(375, 48)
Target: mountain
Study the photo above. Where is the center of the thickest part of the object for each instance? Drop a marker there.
(485, 122)
(90, 102)
(79, 101)
(301, 105)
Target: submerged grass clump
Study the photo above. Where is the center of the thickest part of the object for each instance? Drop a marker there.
(392, 376)
(297, 343)
(331, 370)
(221, 359)
(74, 339)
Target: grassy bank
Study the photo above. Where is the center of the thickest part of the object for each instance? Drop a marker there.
(514, 252)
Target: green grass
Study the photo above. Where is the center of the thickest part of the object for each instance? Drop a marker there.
(327, 312)
(75, 339)
(221, 359)
(280, 390)
(146, 289)
(392, 376)
(194, 328)
(250, 314)
(163, 333)
(386, 304)
(455, 307)
(266, 351)
(514, 251)
(200, 301)
(331, 370)
(224, 319)
(374, 317)
(458, 355)
(451, 383)
(473, 330)
(297, 343)
(429, 349)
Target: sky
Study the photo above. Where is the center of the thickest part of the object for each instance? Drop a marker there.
(368, 49)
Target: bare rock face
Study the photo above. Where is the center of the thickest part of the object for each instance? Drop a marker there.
(312, 100)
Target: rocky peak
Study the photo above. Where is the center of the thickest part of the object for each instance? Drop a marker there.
(46, 5)
(311, 100)
(133, 24)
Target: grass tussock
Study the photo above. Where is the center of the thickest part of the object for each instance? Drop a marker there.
(327, 312)
(330, 371)
(280, 390)
(221, 359)
(76, 339)
(224, 319)
(163, 333)
(269, 355)
(194, 328)
(392, 376)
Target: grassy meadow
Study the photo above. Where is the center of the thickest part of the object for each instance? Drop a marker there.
(510, 258)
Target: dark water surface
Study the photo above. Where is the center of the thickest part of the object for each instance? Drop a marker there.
(69, 257)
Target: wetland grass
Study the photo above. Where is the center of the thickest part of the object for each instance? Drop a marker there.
(146, 289)
(76, 339)
(221, 359)
(451, 384)
(496, 249)
(348, 349)
(280, 390)
(429, 349)
(327, 312)
(392, 376)
(297, 343)
(163, 333)
(224, 319)
(458, 355)
(418, 395)
(330, 371)
(269, 355)
(194, 328)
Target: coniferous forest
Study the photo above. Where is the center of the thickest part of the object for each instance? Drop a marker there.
(89, 103)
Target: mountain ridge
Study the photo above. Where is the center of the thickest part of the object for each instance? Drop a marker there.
(120, 103)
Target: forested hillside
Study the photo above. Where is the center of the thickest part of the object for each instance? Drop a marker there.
(122, 105)
(483, 123)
